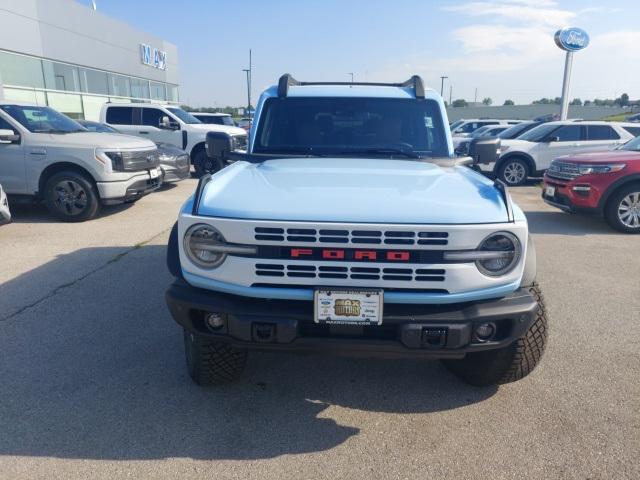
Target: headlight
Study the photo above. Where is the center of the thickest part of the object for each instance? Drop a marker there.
(595, 169)
(497, 254)
(502, 251)
(200, 244)
(117, 163)
(206, 247)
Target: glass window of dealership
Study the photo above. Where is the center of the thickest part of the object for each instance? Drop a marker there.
(77, 91)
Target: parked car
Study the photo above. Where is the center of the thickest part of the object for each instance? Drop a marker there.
(604, 183)
(351, 226)
(168, 124)
(461, 144)
(46, 155)
(5, 213)
(245, 123)
(531, 153)
(174, 162)
(519, 129)
(467, 126)
(215, 118)
(633, 118)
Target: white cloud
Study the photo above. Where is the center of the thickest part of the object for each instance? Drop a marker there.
(541, 12)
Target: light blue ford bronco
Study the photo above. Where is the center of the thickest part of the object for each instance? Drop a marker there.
(349, 226)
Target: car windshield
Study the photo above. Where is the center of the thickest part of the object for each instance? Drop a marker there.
(515, 131)
(42, 119)
(455, 124)
(391, 127)
(538, 133)
(186, 117)
(632, 145)
(480, 132)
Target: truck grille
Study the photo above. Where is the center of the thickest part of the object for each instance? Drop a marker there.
(563, 170)
(140, 160)
(353, 273)
(356, 237)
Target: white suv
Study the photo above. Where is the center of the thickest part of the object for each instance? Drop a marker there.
(532, 153)
(465, 127)
(169, 124)
(46, 155)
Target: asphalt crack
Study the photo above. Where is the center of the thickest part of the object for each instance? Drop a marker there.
(72, 283)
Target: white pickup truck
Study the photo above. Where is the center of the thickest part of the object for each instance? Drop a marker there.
(169, 124)
(46, 155)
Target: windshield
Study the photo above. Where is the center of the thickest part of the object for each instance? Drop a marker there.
(515, 131)
(632, 145)
(42, 119)
(216, 119)
(186, 117)
(480, 132)
(455, 124)
(343, 126)
(98, 127)
(538, 133)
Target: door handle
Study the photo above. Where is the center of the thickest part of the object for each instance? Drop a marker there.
(144, 132)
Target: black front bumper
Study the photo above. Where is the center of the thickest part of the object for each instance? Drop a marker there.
(430, 331)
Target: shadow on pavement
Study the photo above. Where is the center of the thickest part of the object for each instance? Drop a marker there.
(561, 223)
(36, 212)
(95, 370)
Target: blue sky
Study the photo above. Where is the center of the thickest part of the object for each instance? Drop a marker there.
(504, 48)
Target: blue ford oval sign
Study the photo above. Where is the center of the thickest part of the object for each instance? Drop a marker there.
(571, 39)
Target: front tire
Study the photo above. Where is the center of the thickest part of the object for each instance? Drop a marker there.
(514, 171)
(212, 363)
(623, 209)
(508, 364)
(71, 197)
(204, 164)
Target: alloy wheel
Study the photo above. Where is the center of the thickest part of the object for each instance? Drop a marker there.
(69, 197)
(514, 173)
(629, 210)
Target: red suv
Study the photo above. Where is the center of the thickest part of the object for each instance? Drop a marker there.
(606, 183)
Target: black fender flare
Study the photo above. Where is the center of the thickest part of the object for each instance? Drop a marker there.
(621, 182)
(173, 253)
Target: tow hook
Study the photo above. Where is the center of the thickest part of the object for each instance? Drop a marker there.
(434, 337)
(264, 332)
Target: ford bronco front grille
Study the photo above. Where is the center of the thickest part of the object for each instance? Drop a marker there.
(563, 170)
(355, 237)
(349, 272)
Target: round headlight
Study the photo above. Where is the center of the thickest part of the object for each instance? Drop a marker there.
(200, 244)
(506, 249)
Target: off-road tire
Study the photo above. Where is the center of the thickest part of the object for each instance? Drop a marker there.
(511, 163)
(212, 363)
(64, 179)
(204, 164)
(611, 208)
(508, 364)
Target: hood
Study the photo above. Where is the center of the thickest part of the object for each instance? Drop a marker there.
(208, 127)
(352, 190)
(94, 140)
(603, 156)
(515, 144)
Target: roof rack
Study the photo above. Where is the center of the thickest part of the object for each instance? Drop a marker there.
(287, 81)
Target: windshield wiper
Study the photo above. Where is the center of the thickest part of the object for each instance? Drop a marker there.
(384, 150)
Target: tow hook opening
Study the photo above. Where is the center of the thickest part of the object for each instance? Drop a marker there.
(264, 332)
(434, 337)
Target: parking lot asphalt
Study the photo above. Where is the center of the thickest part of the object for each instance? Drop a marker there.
(93, 382)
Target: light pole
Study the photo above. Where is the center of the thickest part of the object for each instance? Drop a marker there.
(351, 73)
(442, 85)
(248, 72)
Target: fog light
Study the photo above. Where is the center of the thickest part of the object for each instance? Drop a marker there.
(485, 331)
(214, 321)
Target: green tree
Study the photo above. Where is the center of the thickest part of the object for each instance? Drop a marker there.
(459, 103)
(575, 101)
(487, 101)
(508, 102)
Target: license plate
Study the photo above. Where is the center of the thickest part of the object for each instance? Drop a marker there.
(550, 191)
(155, 173)
(348, 307)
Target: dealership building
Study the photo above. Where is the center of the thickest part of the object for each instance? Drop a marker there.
(65, 54)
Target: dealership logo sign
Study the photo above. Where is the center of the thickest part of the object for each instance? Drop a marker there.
(153, 57)
(571, 39)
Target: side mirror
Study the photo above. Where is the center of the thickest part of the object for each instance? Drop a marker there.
(167, 124)
(484, 150)
(220, 145)
(553, 139)
(9, 136)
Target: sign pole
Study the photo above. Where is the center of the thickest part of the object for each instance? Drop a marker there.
(564, 110)
(569, 39)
